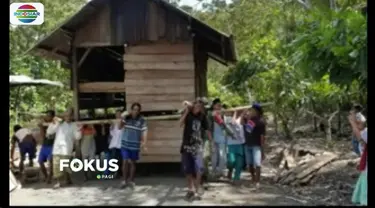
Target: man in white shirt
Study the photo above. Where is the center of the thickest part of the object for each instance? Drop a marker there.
(114, 149)
(66, 134)
(26, 144)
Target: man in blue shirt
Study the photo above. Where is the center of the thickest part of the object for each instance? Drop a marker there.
(133, 138)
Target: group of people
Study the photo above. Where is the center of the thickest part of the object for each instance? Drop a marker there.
(229, 140)
(232, 141)
(240, 137)
(64, 137)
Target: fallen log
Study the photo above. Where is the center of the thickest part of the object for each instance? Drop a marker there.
(302, 174)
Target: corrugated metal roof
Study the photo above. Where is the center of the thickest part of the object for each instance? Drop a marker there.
(18, 80)
(57, 44)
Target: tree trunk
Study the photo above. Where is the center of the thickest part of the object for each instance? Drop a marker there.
(275, 123)
(288, 133)
(339, 124)
(314, 118)
(329, 125)
(329, 130)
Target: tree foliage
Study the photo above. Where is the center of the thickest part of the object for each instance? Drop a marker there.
(298, 57)
(333, 43)
(22, 38)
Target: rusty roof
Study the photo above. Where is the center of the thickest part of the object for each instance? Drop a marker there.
(56, 45)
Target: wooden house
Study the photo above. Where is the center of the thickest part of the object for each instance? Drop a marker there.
(146, 51)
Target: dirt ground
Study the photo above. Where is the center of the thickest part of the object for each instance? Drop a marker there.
(149, 191)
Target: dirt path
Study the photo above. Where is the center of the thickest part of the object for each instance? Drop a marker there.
(161, 191)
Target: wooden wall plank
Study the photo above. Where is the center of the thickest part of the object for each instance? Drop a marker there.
(153, 21)
(174, 135)
(162, 106)
(172, 143)
(159, 65)
(159, 74)
(161, 151)
(167, 97)
(163, 124)
(161, 82)
(159, 90)
(144, 58)
(159, 158)
(108, 87)
(164, 130)
(160, 49)
(164, 141)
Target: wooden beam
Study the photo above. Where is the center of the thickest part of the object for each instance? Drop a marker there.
(84, 56)
(109, 121)
(159, 106)
(166, 97)
(144, 58)
(160, 49)
(75, 83)
(90, 44)
(160, 65)
(47, 53)
(108, 87)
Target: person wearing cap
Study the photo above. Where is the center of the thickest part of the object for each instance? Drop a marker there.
(26, 145)
(357, 109)
(254, 130)
(45, 154)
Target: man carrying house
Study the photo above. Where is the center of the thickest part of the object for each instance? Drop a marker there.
(66, 134)
(26, 144)
(46, 150)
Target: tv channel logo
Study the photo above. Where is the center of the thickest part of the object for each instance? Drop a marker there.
(26, 13)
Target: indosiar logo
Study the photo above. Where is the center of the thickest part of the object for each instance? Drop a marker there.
(26, 13)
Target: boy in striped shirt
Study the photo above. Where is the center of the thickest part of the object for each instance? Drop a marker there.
(133, 138)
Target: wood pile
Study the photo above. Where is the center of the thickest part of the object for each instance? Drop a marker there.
(298, 166)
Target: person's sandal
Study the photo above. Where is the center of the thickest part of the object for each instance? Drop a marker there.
(131, 185)
(189, 195)
(123, 185)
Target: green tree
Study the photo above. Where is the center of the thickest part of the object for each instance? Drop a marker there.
(23, 38)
